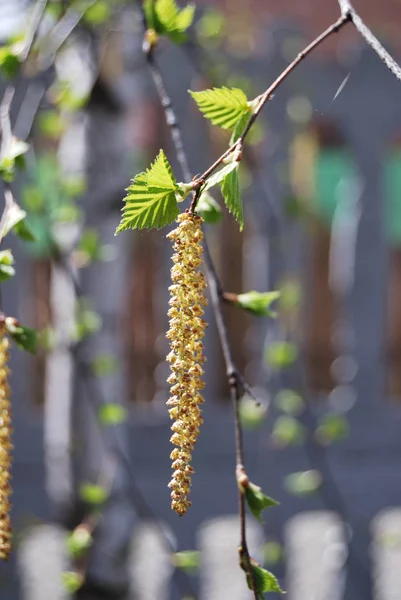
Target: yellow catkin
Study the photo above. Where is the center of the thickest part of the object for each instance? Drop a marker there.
(5, 449)
(186, 357)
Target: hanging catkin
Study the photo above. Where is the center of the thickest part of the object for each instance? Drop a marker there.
(186, 332)
(5, 448)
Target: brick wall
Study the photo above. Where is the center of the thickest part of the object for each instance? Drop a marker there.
(383, 16)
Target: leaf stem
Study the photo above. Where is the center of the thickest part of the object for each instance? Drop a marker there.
(267, 95)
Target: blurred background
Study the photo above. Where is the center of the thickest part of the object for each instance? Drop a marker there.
(321, 183)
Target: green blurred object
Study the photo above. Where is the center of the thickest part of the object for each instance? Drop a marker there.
(331, 428)
(50, 200)
(281, 354)
(272, 553)
(336, 165)
(91, 493)
(78, 542)
(112, 414)
(251, 414)
(258, 303)
(288, 431)
(303, 483)
(188, 560)
(72, 581)
(392, 182)
(289, 401)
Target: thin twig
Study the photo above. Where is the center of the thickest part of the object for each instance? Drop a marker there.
(348, 10)
(267, 95)
(244, 556)
(235, 380)
(169, 114)
(176, 135)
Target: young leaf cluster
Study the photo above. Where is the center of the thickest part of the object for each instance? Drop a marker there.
(164, 17)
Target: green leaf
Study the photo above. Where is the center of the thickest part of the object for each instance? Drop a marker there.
(257, 500)
(303, 483)
(78, 542)
(239, 127)
(219, 176)
(188, 560)
(9, 62)
(23, 230)
(72, 581)
(149, 7)
(24, 337)
(258, 303)
(151, 200)
(112, 414)
(6, 265)
(281, 354)
(232, 196)
(251, 414)
(222, 106)
(185, 18)
(264, 580)
(91, 493)
(208, 208)
(166, 18)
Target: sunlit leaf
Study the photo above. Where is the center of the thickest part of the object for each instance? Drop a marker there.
(151, 200)
(219, 176)
(222, 106)
(258, 303)
(231, 191)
